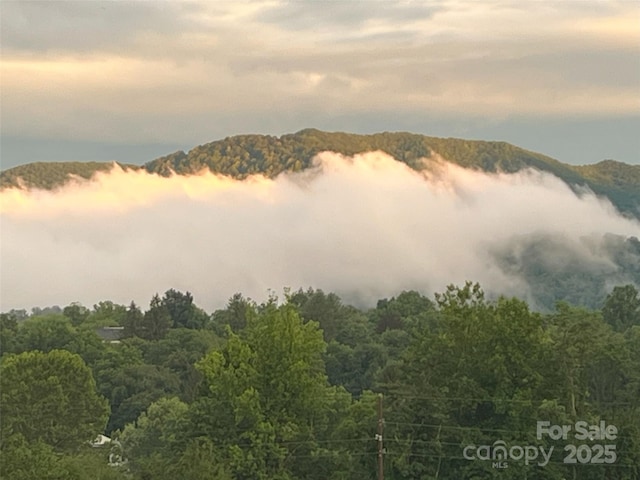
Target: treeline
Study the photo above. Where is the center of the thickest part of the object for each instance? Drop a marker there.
(289, 388)
(50, 175)
(243, 155)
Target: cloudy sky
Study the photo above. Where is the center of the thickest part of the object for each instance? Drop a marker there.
(130, 81)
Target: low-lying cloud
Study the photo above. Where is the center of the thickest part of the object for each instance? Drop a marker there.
(365, 227)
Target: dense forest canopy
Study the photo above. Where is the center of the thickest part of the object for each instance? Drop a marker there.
(243, 155)
(49, 175)
(290, 389)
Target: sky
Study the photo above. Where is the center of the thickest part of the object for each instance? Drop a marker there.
(131, 81)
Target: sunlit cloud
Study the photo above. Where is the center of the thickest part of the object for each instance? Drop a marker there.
(365, 227)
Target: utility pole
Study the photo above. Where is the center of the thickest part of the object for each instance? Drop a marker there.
(379, 439)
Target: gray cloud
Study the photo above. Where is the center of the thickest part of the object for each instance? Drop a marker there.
(190, 72)
(365, 227)
(87, 27)
(344, 16)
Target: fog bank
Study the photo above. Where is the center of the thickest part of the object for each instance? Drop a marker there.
(364, 227)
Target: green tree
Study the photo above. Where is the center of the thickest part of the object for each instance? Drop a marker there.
(76, 313)
(621, 308)
(106, 314)
(316, 306)
(135, 387)
(199, 461)
(8, 333)
(587, 356)
(265, 396)
(50, 397)
(111, 372)
(400, 311)
(354, 368)
(469, 372)
(154, 440)
(183, 312)
(45, 333)
(178, 351)
(133, 321)
(21, 460)
(237, 314)
(156, 321)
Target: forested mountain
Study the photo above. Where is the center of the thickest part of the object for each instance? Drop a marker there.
(289, 389)
(581, 274)
(49, 175)
(243, 155)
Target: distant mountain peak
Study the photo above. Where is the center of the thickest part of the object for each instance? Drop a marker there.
(243, 155)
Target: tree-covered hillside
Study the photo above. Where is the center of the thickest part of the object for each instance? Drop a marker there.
(49, 175)
(618, 181)
(290, 389)
(243, 155)
(579, 273)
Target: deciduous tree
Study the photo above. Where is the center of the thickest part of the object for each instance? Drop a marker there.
(50, 397)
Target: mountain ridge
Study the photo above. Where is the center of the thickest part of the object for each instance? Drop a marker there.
(240, 156)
